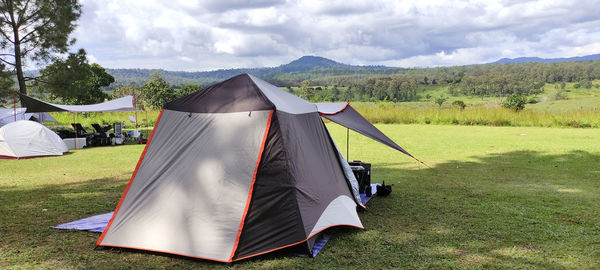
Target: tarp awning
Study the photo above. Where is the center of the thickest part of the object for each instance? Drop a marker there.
(345, 115)
(119, 104)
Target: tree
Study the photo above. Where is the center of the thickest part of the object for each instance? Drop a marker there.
(6, 85)
(35, 30)
(157, 92)
(515, 102)
(188, 89)
(128, 91)
(305, 90)
(440, 100)
(74, 80)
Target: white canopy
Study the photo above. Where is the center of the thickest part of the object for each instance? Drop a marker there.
(119, 104)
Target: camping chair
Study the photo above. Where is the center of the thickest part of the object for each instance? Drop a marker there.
(81, 133)
(79, 130)
(101, 137)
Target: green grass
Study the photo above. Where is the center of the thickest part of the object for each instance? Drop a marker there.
(494, 197)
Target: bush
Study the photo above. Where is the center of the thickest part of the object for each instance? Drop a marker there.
(532, 101)
(560, 95)
(515, 102)
(440, 100)
(459, 104)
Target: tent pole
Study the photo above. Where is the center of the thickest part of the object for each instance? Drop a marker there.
(347, 144)
(15, 104)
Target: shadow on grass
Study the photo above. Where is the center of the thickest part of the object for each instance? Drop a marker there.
(521, 209)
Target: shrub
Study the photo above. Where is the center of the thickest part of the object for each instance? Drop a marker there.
(560, 95)
(440, 100)
(459, 104)
(515, 102)
(532, 101)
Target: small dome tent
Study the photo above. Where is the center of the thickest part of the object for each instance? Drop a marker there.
(24, 139)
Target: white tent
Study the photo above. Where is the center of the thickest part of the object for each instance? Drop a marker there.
(24, 139)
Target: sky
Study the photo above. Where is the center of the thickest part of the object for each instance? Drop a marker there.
(198, 35)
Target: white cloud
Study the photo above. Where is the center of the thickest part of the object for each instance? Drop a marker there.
(212, 34)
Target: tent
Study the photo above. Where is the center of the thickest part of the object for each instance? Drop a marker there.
(8, 115)
(24, 139)
(239, 169)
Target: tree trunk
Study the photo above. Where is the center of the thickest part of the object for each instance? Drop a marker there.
(18, 58)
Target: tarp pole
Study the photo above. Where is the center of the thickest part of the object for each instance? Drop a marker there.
(136, 120)
(146, 119)
(75, 127)
(347, 144)
(15, 104)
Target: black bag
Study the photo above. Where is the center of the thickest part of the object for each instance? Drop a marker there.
(362, 172)
(383, 190)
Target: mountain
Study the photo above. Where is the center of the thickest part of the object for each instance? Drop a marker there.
(305, 67)
(306, 63)
(591, 57)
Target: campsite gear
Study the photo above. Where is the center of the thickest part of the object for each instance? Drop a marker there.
(362, 172)
(236, 170)
(369, 191)
(383, 190)
(24, 139)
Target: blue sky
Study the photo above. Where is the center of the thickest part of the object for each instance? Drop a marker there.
(213, 34)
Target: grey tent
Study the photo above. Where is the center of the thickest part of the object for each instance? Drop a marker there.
(239, 169)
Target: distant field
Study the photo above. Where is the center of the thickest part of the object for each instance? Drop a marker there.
(581, 109)
(494, 198)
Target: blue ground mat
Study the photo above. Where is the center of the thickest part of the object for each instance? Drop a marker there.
(97, 223)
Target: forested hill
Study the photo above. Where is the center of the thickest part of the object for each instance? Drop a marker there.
(591, 57)
(306, 67)
(319, 70)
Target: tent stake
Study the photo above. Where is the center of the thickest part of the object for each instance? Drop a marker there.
(347, 144)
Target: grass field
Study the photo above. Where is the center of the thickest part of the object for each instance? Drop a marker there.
(494, 197)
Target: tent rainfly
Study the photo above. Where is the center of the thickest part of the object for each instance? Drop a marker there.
(25, 139)
(239, 169)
